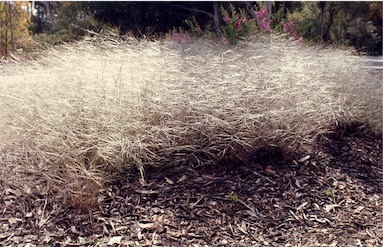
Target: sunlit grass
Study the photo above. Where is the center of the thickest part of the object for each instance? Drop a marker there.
(82, 112)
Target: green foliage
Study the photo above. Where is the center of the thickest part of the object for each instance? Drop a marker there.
(362, 26)
(346, 23)
(277, 18)
(46, 39)
(75, 17)
(234, 197)
(307, 21)
(195, 27)
(329, 192)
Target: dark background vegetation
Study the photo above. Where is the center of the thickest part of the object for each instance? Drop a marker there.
(357, 24)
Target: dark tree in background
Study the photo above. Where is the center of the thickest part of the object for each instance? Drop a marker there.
(150, 17)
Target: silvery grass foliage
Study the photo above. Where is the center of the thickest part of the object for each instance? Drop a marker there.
(83, 112)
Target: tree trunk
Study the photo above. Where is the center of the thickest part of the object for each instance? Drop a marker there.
(52, 18)
(11, 28)
(331, 20)
(250, 9)
(1, 38)
(216, 18)
(6, 44)
(322, 6)
(268, 6)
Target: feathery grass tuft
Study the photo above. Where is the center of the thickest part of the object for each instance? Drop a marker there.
(82, 112)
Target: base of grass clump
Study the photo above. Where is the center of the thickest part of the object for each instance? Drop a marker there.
(109, 106)
(356, 129)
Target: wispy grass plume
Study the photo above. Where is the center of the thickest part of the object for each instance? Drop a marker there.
(82, 112)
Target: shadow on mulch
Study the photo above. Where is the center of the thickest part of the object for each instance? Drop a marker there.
(353, 149)
(357, 152)
(258, 160)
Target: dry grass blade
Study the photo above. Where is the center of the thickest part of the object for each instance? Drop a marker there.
(83, 111)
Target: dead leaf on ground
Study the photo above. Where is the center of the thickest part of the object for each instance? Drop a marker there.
(181, 179)
(115, 240)
(330, 207)
(28, 215)
(5, 235)
(147, 192)
(14, 220)
(169, 181)
(269, 170)
(302, 206)
(151, 226)
(303, 159)
(29, 245)
(359, 209)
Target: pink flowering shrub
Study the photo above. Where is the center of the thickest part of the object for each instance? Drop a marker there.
(289, 27)
(226, 19)
(262, 20)
(236, 25)
(224, 41)
(181, 38)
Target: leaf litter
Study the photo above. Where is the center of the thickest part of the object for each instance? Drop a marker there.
(199, 210)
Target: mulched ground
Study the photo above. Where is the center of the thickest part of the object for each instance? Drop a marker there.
(331, 196)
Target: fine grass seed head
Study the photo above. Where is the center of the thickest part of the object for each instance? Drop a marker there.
(113, 105)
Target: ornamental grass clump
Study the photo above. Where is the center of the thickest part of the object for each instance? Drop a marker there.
(82, 113)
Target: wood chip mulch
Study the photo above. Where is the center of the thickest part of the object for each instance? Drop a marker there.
(331, 196)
